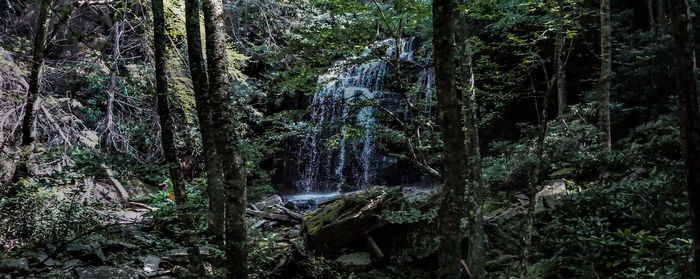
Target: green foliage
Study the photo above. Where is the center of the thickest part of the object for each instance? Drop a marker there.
(43, 213)
(266, 250)
(633, 227)
(411, 211)
(190, 218)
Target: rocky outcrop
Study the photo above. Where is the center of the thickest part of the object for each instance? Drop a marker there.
(391, 224)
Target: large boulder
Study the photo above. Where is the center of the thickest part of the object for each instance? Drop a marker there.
(150, 265)
(269, 203)
(387, 222)
(89, 252)
(344, 221)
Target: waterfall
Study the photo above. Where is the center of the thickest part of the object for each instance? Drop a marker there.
(340, 153)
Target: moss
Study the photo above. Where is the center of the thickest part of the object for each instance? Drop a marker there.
(322, 216)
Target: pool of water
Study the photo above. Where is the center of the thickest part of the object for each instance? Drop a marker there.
(308, 201)
(310, 196)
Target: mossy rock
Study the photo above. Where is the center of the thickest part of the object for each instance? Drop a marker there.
(346, 220)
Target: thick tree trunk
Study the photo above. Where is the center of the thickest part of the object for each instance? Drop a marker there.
(28, 136)
(689, 112)
(605, 75)
(215, 188)
(167, 128)
(476, 256)
(225, 141)
(449, 109)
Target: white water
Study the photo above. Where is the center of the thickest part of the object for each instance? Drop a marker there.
(341, 147)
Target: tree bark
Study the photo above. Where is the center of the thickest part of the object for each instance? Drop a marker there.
(650, 11)
(560, 62)
(689, 112)
(605, 75)
(534, 180)
(107, 137)
(475, 206)
(215, 188)
(28, 135)
(661, 12)
(449, 109)
(226, 143)
(167, 128)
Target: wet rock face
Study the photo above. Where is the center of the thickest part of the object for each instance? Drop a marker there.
(344, 150)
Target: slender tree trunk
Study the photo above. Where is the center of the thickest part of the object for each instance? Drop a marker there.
(167, 128)
(560, 63)
(475, 206)
(232, 161)
(28, 136)
(650, 10)
(534, 180)
(215, 188)
(689, 112)
(107, 137)
(661, 12)
(605, 75)
(449, 109)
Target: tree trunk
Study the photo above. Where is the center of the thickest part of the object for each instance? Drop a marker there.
(225, 141)
(650, 11)
(449, 109)
(167, 128)
(28, 136)
(534, 180)
(107, 137)
(560, 62)
(605, 75)
(661, 12)
(476, 256)
(689, 112)
(215, 188)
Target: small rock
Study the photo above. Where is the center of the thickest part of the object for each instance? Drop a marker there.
(106, 272)
(88, 252)
(150, 265)
(111, 245)
(304, 205)
(43, 257)
(269, 203)
(71, 264)
(357, 261)
(181, 255)
(291, 206)
(549, 193)
(553, 190)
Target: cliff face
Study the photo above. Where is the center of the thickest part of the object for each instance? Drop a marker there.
(355, 120)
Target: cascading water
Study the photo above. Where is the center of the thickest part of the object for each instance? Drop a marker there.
(340, 151)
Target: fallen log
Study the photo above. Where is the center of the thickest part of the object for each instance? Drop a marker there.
(271, 216)
(295, 215)
(115, 183)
